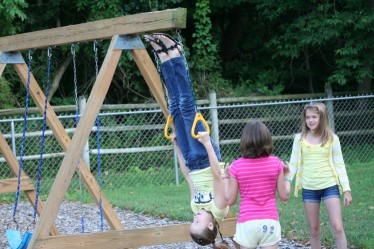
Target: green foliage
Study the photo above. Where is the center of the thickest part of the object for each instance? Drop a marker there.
(233, 47)
(6, 98)
(205, 62)
(327, 35)
(11, 11)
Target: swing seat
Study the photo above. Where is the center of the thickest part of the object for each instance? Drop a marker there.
(14, 238)
(15, 241)
(25, 240)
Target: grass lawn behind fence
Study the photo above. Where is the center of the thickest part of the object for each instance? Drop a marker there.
(173, 202)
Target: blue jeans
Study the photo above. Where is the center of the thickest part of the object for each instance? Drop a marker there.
(317, 195)
(183, 109)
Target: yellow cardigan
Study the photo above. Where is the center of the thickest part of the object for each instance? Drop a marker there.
(336, 162)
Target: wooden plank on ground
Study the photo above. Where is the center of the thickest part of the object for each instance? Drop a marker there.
(80, 137)
(131, 238)
(103, 29)
(10, 185)
(64, 140)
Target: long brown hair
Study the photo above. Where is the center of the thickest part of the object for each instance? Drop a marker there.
(256, 140)
(324, 129)
(207, 236)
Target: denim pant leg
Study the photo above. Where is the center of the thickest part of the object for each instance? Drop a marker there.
(173, 96)
(198, 157)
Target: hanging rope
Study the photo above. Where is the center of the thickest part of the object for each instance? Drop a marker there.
(98, 142)
(43, 133)
(23, 138)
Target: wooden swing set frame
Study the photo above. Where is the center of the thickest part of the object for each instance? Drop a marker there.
(124, 34)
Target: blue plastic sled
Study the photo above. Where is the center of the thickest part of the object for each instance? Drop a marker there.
(15, 241)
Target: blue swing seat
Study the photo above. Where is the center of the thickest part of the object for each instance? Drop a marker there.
(15, 241)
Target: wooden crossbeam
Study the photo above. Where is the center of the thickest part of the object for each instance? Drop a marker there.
(131, 238)
(103, 29)
(10, 185)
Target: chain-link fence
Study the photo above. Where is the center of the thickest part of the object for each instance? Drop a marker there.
(132, 142)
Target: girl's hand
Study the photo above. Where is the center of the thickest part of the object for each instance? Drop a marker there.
(286, 171)
(204, 137)
(227, 169)
(347, 198)
(174, 139)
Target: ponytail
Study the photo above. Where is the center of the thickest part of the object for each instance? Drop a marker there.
(207, 237)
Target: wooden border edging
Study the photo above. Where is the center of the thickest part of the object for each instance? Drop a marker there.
(131, 238)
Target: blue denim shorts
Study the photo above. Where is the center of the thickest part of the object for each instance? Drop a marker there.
(322, 194)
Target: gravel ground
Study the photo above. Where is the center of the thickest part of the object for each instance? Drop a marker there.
(70, 213)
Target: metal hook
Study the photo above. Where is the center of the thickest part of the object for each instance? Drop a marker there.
(72, 49)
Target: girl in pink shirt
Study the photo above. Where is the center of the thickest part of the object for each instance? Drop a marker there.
(257, 176)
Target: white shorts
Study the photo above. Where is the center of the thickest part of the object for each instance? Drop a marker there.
(256, 233)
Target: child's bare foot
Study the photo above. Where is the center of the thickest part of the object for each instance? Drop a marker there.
(172, 46)
(158, 47)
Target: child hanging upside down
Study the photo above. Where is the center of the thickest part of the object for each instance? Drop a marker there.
(199, 159)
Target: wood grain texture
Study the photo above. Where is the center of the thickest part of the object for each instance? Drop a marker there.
(103, 29)
(80, 137)
(132, 238)
(10, 185)
(13, 164)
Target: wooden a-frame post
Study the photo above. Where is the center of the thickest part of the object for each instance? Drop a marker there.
(120, 30)
(106, 29)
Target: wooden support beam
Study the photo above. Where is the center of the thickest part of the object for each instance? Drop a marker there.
(13, 164)
(103, 29)
(131, 238)
(65, 141)
(78, 142)
(2, 67)
(10, 185)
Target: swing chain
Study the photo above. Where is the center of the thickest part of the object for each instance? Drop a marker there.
(33, 223)
(15, 222)
(98, 143)
(96, 58)
(23, 137)
(43, 133)
(49, 52)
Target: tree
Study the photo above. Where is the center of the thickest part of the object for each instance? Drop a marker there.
(323, 42)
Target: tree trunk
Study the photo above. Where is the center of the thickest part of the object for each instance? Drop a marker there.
(307, 64)
(56, 80)
(234, 32)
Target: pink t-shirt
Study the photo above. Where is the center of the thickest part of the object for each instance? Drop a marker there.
(257, 179)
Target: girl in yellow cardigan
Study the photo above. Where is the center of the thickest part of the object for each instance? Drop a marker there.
(318, 164)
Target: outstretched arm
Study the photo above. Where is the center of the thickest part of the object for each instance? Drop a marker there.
(218, 182)
(185, 170)
(284, 184)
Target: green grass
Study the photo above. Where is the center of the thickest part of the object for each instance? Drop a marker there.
(144, 195)
(173, 202)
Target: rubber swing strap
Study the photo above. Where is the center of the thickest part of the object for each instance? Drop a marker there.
(25, 240)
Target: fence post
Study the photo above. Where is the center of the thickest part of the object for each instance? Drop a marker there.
(214, 116)
(86, 150)
(176, 167)
(13, 138)
(330, 105)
